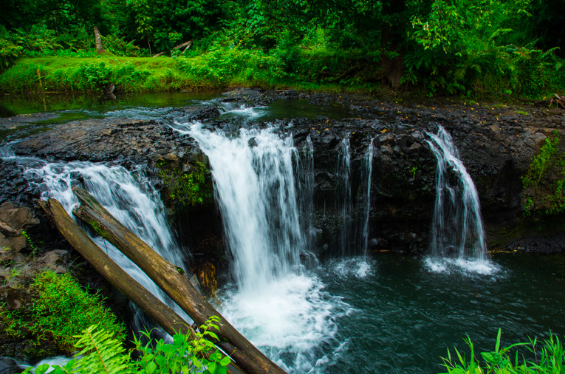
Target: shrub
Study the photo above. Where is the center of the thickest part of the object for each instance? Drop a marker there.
(61, 310)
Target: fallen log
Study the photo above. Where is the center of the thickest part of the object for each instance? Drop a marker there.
(174, 282)
(186, 45)
(162, 314)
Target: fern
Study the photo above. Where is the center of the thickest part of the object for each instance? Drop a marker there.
(102, 353)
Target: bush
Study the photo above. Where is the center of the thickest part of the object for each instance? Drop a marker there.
(61, 310)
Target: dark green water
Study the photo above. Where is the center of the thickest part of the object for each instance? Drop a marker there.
(405, 316)
(11, 105)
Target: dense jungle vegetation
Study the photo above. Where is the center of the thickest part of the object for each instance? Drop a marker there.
(464, 47)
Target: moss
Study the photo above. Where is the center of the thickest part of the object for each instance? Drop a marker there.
(544, 183)
(59, 309)
(187, 185)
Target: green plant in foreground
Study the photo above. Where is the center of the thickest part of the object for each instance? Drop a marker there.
(61, 309)
(184, 355)
(549, 359)
(104, 354)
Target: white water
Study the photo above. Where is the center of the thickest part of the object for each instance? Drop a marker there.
(275, 302)
(129, 197)
(343, 195)
(367, 195)
(457, 229)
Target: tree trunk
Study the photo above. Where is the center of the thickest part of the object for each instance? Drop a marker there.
(174, 282)
(162, 314)
(99, 47)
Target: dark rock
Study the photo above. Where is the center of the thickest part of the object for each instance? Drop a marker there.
(10, 366)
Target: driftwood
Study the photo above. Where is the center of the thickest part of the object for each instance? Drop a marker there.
(559, 100)
(174, 282)
(162, 314)
(186, 46)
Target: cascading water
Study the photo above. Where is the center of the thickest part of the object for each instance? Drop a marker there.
(130, 198)
(367, 195)
(276, 302)
(457, 229)
(305, 176)
(343, 195)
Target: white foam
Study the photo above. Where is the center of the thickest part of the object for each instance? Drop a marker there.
(465, 266)
(288, 319)
(359, 267)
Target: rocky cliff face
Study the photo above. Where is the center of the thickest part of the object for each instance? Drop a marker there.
(496, 144)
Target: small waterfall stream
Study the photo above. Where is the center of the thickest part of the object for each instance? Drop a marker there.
(367, 196)
(130, 198)
(343, 196)
(457, 228)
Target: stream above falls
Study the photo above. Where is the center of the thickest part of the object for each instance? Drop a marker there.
(346, 312)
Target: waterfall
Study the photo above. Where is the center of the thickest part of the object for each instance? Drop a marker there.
(343, 195)
(457, 229)
(305, 175)
(130, 198)
(275, 302)
(256, 190)
(367, 196)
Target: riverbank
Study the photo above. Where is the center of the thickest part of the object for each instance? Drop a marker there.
(214, 70)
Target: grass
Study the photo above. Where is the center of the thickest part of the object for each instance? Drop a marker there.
(547, 358)
(213, 70)
(60, 310)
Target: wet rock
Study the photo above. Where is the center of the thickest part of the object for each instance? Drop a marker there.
(10, 366)
(196, 113)
(13, 221)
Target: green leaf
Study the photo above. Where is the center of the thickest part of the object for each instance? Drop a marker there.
(151, 367)
(225, 361)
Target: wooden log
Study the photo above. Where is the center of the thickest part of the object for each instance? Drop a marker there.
(162, 314)
(188, 45)
(185, 44)
(174, 282)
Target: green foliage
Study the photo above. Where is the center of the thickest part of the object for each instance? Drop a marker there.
(120, 47)
(61, 310)
(104, 354)
(184, 355)
(549, 359)
(545, 180)
(186, 188)
(471, 46)
(9, 53)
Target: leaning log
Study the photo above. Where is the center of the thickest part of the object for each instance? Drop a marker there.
(174, 282)
(161, 313)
